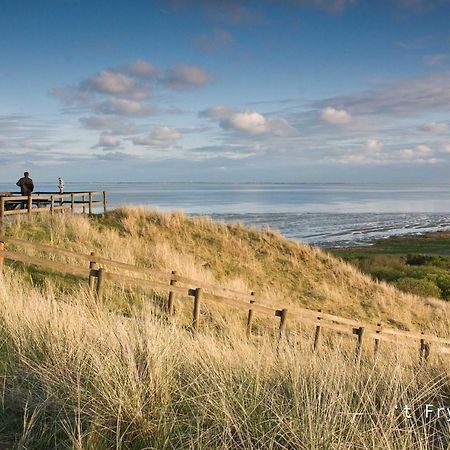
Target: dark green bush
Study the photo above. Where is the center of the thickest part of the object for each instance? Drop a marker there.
(422, 287)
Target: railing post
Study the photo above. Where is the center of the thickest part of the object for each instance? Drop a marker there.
(282, 314)
(72, 202)
(2, 208)
(52, 204)
(2, 259)
(100, 282)
(424, 350)
(196, 312)
(92, 275)
(360, 334)
(170, 303)
(317, 332)
(90, 203)
(29, 204)
(104, 202)
(377, 340)
(250, 318)
(83, 200)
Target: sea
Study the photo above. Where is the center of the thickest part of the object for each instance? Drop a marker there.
(323, 214)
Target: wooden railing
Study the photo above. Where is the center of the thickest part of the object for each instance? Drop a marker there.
(203, 293)
(16, 204)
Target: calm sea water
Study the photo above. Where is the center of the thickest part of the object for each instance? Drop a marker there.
(323, 214)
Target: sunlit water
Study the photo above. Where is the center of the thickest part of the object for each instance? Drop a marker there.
(323, 214)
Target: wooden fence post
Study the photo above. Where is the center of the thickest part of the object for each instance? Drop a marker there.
(424, 350)
(72, 202)
(83, 200)
(105, 202)
(376, 346)
(29, 204)
(250, 318)
(282, 314)
(100, 282)
(2, 259)
(92, 275)
(170, 303)
(318, 332)
(360, 333)
(90, 203)
(2, 208)
(196, 312)
(52, 204)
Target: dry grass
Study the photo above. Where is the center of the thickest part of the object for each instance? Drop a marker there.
(76, 375)
(82, 375)
(284, 273)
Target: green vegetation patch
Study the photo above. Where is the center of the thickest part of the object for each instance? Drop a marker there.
(418, 265)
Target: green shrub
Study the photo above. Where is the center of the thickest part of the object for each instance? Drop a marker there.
(443, 282)
(424, 288)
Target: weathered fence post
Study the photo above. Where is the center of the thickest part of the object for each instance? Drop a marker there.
(2, 259)
(90, 203)
(29, 204)
(52, 204)
(282, 314)
(105, 202)
(196, 312)
(72, 202)
(100, 282)
(250, 318)
(92, 273)
(170, 303)
(317, 332)
(360, 333)
(376, 346)
(2, 208)
(424, 350)
(83, 200)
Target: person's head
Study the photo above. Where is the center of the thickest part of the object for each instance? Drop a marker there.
(26, 174)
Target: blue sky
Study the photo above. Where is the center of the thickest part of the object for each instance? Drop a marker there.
(212, 90)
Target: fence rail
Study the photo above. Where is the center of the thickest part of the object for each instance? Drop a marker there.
(12, 204)
(204, 293)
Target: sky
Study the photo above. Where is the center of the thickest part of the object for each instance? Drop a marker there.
(225, 90)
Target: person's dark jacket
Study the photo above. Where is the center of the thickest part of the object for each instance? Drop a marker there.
(26, 185)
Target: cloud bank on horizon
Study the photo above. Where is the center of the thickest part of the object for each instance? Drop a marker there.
(275, 90)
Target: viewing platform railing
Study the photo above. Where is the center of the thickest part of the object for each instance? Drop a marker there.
(12, 204)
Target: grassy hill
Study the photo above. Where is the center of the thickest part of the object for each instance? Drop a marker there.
(79, 374)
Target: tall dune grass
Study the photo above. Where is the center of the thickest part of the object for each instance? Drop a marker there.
(77, 375)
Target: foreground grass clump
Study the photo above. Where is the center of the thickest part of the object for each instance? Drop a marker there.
(284, 273)
(76, 375)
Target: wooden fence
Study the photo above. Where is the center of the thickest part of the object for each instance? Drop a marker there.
(12, 204)
(97, 273)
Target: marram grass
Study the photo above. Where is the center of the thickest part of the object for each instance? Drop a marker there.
(81, 375)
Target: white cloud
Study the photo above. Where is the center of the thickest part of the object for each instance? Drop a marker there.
(373, 146)
(123, 107)
(108, 82)
(217, 112)
(184, 76)
(435, 127)
(417, 153)
(113, 125)
(335, 116)
(160, 136)
(437, 59)
(142, 69)
(107, 141)
(247, 121)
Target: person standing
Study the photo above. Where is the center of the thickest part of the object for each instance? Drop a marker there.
(61, 185)
(26, 184)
